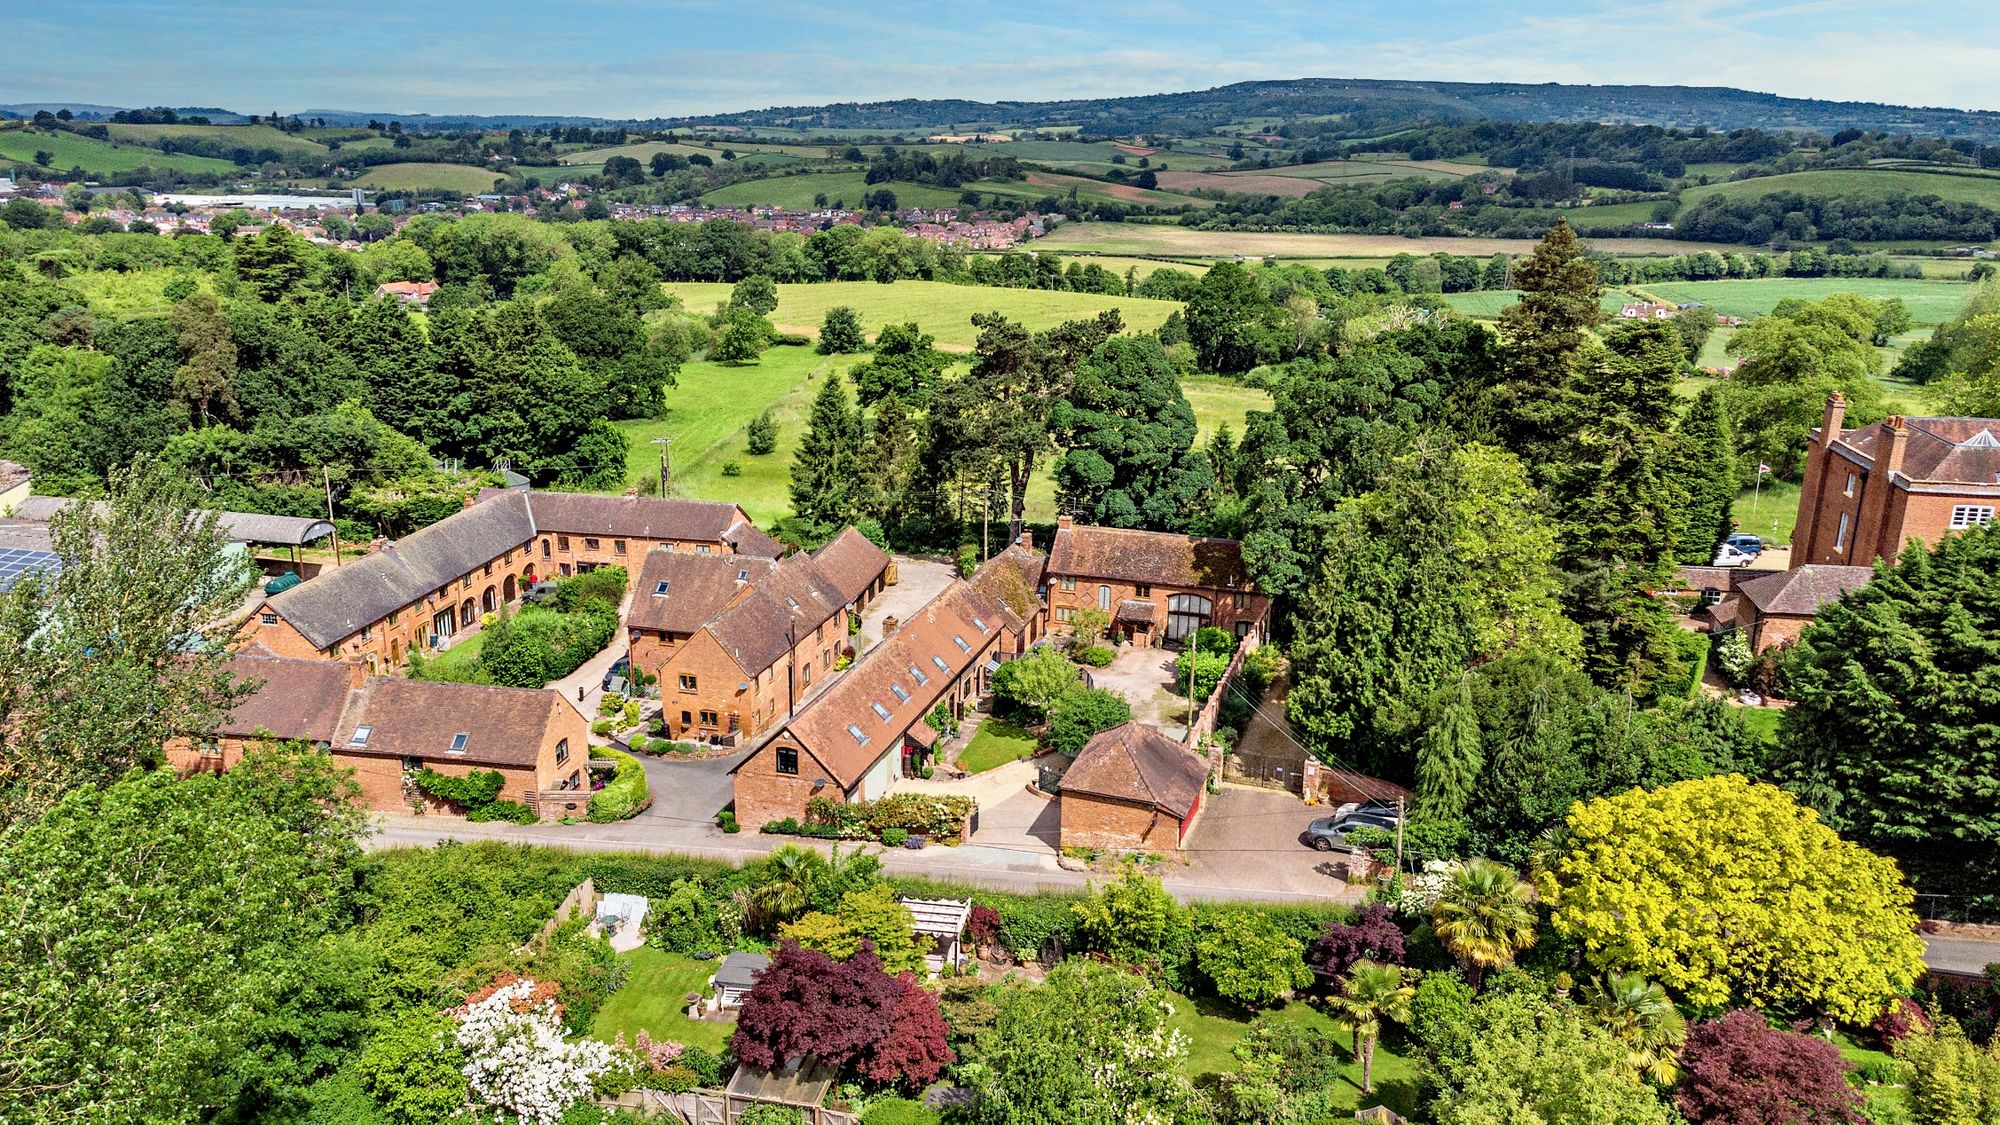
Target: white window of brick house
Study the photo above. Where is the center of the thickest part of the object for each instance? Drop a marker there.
(1852, 480)
(1104, 598)
(1840, 535)
(1066, 583)
(590, 544)
(562, 751)
(1971, 515)
(1065, 613)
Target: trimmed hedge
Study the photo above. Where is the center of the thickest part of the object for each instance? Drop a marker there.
(626, 793)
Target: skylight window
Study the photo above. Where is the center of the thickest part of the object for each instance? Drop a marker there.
(941, 665)
(881, 712)
(360, 736)
(900, 693)
(458, 742)
(981, 626)
(917, 674)
(660, 590)
(791, 601)
(960, 642)
(855, 732)
(743, 576)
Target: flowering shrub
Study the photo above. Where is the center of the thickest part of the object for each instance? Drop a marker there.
(516, 1057)
(1420, 892)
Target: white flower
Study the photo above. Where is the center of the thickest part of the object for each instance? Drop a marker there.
(517, 1059)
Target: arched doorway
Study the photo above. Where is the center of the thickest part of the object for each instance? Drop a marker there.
(1187, 614)
(507, 589)
(468, 614)
(489, 601)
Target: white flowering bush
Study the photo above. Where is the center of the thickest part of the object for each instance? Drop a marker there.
(1420, 892)
(516, 1057)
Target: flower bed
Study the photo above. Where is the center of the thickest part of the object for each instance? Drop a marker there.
(937, 816)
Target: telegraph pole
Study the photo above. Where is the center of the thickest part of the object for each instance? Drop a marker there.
(326, 474)
(1399, 837)
(666, 464)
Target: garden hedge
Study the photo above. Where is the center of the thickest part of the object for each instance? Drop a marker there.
(625, 795)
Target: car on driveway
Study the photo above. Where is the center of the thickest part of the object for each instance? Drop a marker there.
(1332, 833)
(1374, 807)
(1728, 555)
(1747, 543)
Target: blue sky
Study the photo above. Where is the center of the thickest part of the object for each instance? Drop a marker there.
(671, 57)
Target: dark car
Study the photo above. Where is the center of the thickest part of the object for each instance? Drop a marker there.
(617, 674)
(1746, 543)
(1375, 806)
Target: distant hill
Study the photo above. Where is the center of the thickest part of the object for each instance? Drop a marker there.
(1382, 103)
(452, 122)
(86, 111)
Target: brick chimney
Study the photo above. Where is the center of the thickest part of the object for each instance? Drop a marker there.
(471, 498)
(377, 545)
(1895, 439)
(1836, 413)
(632, 492)
(1064, 521)
(889, 625)
(1027, 540)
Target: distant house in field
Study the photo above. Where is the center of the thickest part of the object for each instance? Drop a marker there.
(1646, 310)
(1131, 788)
(387, 729)
(416, 293)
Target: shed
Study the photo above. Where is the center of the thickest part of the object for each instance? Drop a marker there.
(734, 977)
(801, 1083)
(943, 921)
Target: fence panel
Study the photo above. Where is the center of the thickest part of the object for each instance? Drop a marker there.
(1271, 772)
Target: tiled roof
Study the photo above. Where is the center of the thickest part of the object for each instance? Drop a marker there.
(504, 726)
(636, 517)
(920, 643)
(697, 587)
(342, 600)
(1014, 579)
(1134, 762)
(12, 474)
(1152, 557)
(1801, 590)
(851, 563)
(791, 601)
(300, 699)
(1135, 610)
(1942, 450)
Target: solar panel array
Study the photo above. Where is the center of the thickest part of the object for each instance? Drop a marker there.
(15, 561)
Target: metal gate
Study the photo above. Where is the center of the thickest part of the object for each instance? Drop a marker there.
(1260, 769)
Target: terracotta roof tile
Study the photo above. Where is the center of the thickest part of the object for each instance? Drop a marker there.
(504, 726)
(851, 564)
(1942, 450)
(792, 600)
(1802, 590)
(1014, 579)
(1134, 762)
(697, 587)
(1152, 557)
(300, 699)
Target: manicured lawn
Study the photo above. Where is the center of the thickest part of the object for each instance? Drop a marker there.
(1213, 1028)
(1763, 721)
(941, 309)
(654, 1000)
(460, 660)
(997, 743)
(1768, 513)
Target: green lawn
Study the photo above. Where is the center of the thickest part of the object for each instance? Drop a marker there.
(996, 743)
(654, 1000)
(139, 292)
(1762, 721)
(1217, 400)
(797, 192)
(247, 136)
(941, 309)
(1214, 1027)
(458, 662)
(1858, 183)
(416, 177)
(1768, 513)
(92, 155)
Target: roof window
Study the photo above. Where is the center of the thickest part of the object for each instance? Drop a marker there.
(459, 740)
(960, 642)
(881, 712)
(901, 693)
(917, 674)
(941, 665)
(660, 590)
(360, 736)
(860, 739)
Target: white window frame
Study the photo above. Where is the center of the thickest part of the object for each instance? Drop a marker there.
(1971, 515)
(1840, 535)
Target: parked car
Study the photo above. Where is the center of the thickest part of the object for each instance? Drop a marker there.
(1727, 555)
(1375, 805)
(1747, 543)
(620, 671)
(1330, 833)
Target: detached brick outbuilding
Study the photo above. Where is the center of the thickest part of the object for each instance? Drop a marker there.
(1131, 789)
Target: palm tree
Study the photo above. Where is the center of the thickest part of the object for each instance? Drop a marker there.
(1484, 917)
(1638, 1012)
(1370, 994)
(785, 885)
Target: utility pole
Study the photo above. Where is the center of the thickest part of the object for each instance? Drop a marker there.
(326, 474)
(666, 464)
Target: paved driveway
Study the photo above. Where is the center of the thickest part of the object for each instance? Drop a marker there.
(917, 582)
(1249, 838)
(1145, 677)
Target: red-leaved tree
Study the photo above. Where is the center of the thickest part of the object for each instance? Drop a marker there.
(914, 1052)
(1739, 1070)
(1373, 936)
(806, 1003)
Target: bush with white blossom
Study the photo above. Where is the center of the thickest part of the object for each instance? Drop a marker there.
(1416, 895)
(517, 1059)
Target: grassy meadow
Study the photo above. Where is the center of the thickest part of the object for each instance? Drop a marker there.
(1152, 239)
(70, 151)
(416, 177)
(246, 136)
(796, 193)
(941, 309)
(1930, 302)
(1860, 183)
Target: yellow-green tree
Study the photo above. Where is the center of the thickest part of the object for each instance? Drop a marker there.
(1727, 891)
(872, 915)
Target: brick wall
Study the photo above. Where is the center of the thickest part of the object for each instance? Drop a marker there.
(762, 794)
(1087, 593)
(1090, 821)
(571, 554)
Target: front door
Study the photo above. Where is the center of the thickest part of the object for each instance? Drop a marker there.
(442, 627)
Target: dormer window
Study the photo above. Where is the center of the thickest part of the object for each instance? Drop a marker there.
(360, 736)
(459, 740)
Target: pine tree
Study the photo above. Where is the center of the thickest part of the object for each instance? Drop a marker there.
(1449, 756)
(1706, 451)
(1546, 332)
(826, 477)
(888, 461)
(762, 434)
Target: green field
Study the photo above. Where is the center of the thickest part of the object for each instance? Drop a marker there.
(1769, 512)
(942, 309)
(1930, 302)
(995, 743)
(72, 151)
(654, 1000)
(1217, 400)
(134, 293)
(249, 136)
(1488, 304)
(1149, 239)
(796, 193)
(1859, 183)
(439, 177)
(1609, 216)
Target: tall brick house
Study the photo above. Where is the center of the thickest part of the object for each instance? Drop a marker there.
(417, 593)
(1131, 788)
(386, 728)
(1154, 586)
(1870, 490)
(739, 643)
(856, 738)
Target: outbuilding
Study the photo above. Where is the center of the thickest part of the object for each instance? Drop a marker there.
(1131, 788)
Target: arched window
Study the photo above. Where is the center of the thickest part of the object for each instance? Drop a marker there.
(1187, 614)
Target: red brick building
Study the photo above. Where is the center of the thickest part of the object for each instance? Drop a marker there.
(1772, 609)
(417, 593)
(854, 739)
(386, 729)
(1155, 587)
(1870, 490)
(1131, 788)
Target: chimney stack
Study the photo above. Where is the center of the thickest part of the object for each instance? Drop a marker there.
(632, 492)
(1063, 521)
(377, 545)
(1027, 540)
(1895, 438)
(1836, 413)
(889, 624)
